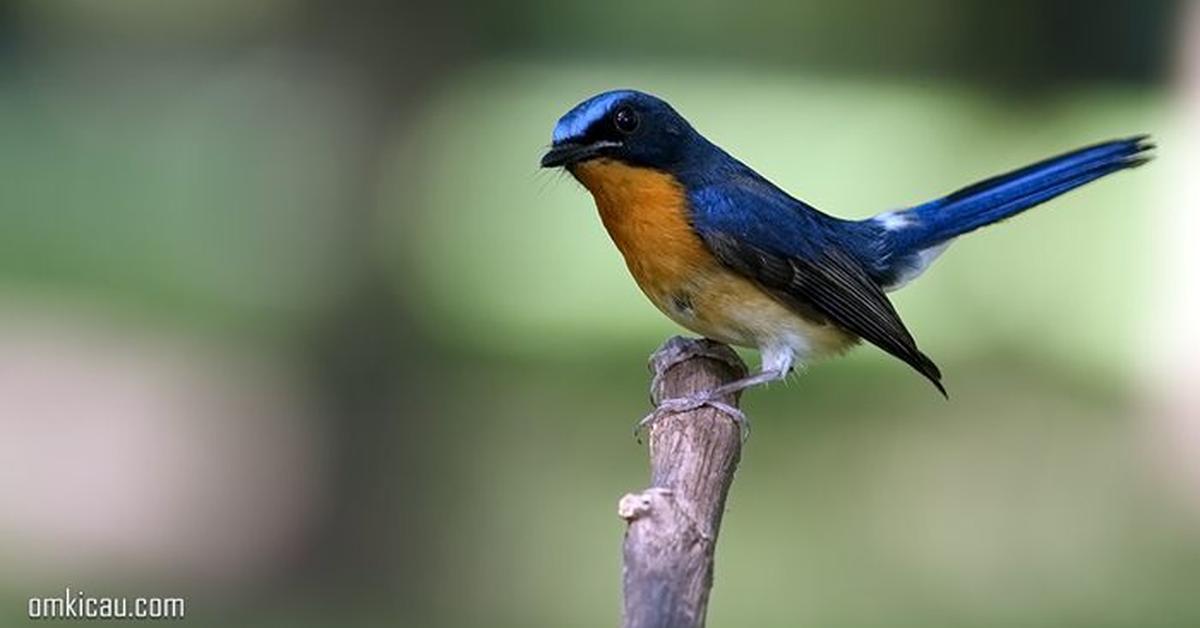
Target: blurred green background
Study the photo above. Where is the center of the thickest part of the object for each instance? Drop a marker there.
(294, 327)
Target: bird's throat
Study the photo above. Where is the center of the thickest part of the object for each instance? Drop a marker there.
(645, 212)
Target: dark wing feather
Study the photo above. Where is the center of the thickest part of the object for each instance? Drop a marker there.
(834, 285)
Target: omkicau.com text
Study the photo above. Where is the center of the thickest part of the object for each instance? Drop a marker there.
(78, 605)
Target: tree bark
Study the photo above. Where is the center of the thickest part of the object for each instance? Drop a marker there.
(673, 525)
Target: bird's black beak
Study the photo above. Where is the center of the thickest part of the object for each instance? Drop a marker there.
(569, 153)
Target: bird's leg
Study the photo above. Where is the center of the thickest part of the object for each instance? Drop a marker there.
(738, 385)
(713, 399)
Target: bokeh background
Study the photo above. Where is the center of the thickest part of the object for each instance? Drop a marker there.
(292, 325)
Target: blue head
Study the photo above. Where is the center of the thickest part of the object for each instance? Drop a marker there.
(624, 125)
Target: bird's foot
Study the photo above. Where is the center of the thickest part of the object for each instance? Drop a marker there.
(676, 405)
(680, 349)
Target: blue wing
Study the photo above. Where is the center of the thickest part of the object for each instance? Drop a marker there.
(808, 260)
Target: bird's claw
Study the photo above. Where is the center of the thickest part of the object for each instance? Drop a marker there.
(679, 349)
(676, 405)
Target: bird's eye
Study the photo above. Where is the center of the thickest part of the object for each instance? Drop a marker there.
(626, 120)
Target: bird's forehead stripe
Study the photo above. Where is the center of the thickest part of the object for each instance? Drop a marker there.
(576, 121)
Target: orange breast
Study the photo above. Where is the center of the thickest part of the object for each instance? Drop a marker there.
(645, 212)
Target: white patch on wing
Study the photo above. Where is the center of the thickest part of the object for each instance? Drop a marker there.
(893, 221)
(922, 261)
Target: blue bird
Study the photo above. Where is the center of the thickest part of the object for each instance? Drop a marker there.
(725, 253)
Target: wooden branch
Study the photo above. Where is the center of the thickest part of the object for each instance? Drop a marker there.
(673, 525)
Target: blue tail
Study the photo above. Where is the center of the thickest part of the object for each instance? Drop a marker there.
(1009, 194)
(914, 235)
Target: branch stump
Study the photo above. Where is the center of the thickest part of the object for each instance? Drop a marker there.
(673, 524)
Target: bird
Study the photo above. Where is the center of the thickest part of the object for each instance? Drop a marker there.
(725, 253)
